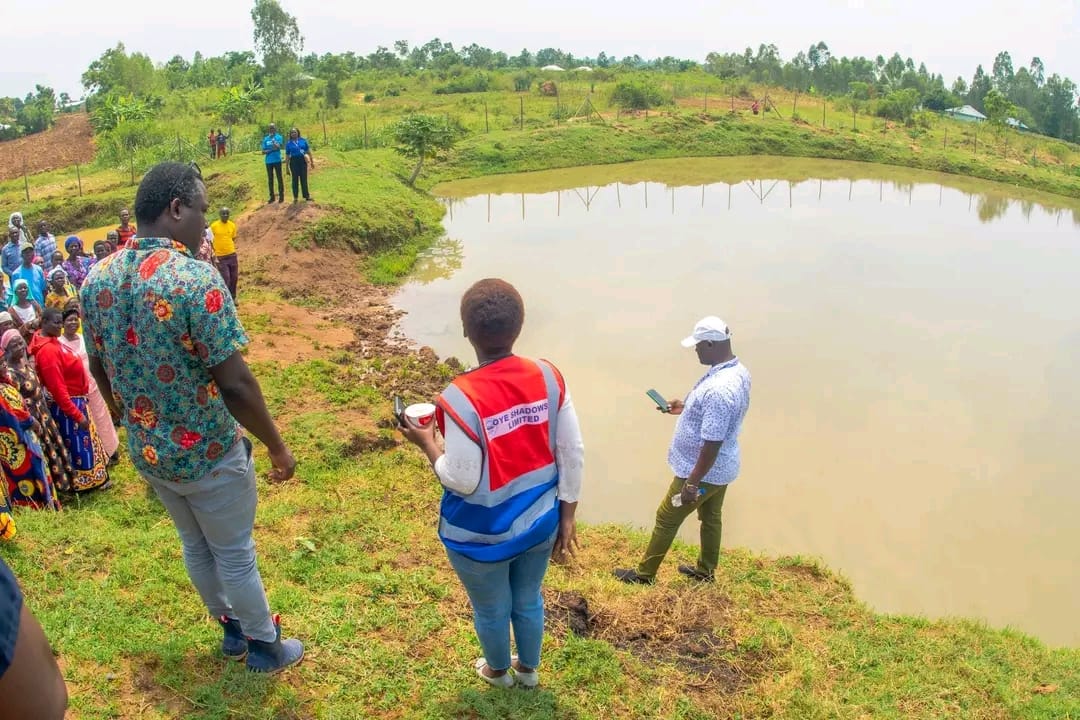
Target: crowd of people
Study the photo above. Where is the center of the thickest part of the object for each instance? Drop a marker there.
(58, 434)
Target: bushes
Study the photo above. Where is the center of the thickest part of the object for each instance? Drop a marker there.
(477, 82)
(898, 105)
(637, 94)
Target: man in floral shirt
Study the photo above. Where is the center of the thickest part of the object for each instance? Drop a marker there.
(164, 343)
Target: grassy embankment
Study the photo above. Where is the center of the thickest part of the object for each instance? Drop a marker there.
(350, 557)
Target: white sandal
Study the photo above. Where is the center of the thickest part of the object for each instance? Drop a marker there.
(525, 679)
(503, 681)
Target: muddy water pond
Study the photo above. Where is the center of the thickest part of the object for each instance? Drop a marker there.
(914, 341)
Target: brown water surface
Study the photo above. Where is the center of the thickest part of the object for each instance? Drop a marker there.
(914, 341)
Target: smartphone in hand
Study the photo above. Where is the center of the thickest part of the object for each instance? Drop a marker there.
(399, 409)
(659, 400)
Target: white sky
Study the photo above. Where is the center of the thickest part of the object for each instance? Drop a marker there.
(56, 39)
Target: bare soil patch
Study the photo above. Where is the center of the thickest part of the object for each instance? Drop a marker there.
(69, 141)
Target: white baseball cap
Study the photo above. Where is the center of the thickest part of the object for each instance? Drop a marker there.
(708, 328)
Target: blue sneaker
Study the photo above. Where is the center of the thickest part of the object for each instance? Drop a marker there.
(234, 646)
(273, 657)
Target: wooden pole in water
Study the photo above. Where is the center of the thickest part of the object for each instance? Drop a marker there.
(78, 177)
(618, 194)
(26, 180)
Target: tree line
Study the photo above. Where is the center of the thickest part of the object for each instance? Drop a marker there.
(131, 84)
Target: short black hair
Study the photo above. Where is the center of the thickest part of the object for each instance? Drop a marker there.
(71, 311)
(164, 183)
(53, 314)
(492, 312)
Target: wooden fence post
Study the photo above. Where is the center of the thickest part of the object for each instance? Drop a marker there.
(365, 131)
(976, 150)
(945, 141)
(706, 102)
(323, 117)
(487, 126)
(822, 112)
(78, 177)
(26, 180)
(131, 161)
(521, 113)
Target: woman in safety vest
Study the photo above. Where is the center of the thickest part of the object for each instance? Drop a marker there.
(511, 474)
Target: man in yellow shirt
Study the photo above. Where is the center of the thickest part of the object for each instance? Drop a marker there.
(224, 231)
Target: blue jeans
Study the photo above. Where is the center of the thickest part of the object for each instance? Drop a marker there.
(215, 516)
(503, 594)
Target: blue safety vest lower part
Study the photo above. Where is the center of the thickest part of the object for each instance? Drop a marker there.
(494, 534)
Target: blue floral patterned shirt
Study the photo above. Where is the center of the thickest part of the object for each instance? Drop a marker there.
(714, 412)
(159, 320)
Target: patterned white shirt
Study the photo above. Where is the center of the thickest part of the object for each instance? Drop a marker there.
(714, 412)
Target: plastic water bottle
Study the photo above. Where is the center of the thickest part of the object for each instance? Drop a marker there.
(676, 499)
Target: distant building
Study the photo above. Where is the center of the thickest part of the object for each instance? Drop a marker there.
(584, 68)
(1014, 123)
(965, 113)
(554, 68)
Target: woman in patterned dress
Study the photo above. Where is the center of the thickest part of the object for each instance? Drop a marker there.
(63, 375)
(60, 289)
(77, 263)
(21, 458)
(26, 380)
(99, 411)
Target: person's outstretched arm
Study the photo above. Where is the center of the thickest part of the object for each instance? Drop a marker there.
(30, 684)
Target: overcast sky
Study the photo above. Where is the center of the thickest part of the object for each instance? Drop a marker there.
(56, 39)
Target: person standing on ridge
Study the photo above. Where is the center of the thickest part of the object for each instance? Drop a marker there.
(224, 231)
(704, 454)
(166, 350)
(271, 148)
(298, 151)
(221, 139)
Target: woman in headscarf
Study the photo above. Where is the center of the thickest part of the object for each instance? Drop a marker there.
(15, 222)
(63, 375)
(113, 239)
(26, 380)
(99, 411)
(21, 457)
(77, 264)
(60, 290)
(26, 312)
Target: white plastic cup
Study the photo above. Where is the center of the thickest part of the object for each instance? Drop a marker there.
(420, 414)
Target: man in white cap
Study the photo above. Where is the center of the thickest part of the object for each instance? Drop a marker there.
(704, 454)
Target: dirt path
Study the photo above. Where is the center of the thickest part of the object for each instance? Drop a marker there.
(328, 305)
(68, 142)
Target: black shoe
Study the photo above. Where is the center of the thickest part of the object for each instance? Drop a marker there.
(308, 199)
(631, 577)
(281, 198)
(270, 201)
(694, 574)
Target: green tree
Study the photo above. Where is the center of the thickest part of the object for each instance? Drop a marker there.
(998, 107)
(36, 113)
(423, 137)
(291, 82)
(636, 94)
(116, 71)
(980, 86)
(277, 36)
(240, 104)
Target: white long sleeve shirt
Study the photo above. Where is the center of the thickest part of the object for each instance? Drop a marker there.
(460, 466)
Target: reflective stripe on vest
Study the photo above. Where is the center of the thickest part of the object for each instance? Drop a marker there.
(492, 525)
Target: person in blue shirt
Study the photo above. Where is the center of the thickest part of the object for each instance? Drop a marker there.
(10, 257)
(31, 273)
(298, 151)
(271, 148)
(45, 245)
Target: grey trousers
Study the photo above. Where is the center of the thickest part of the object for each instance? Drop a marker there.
(215, 516)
